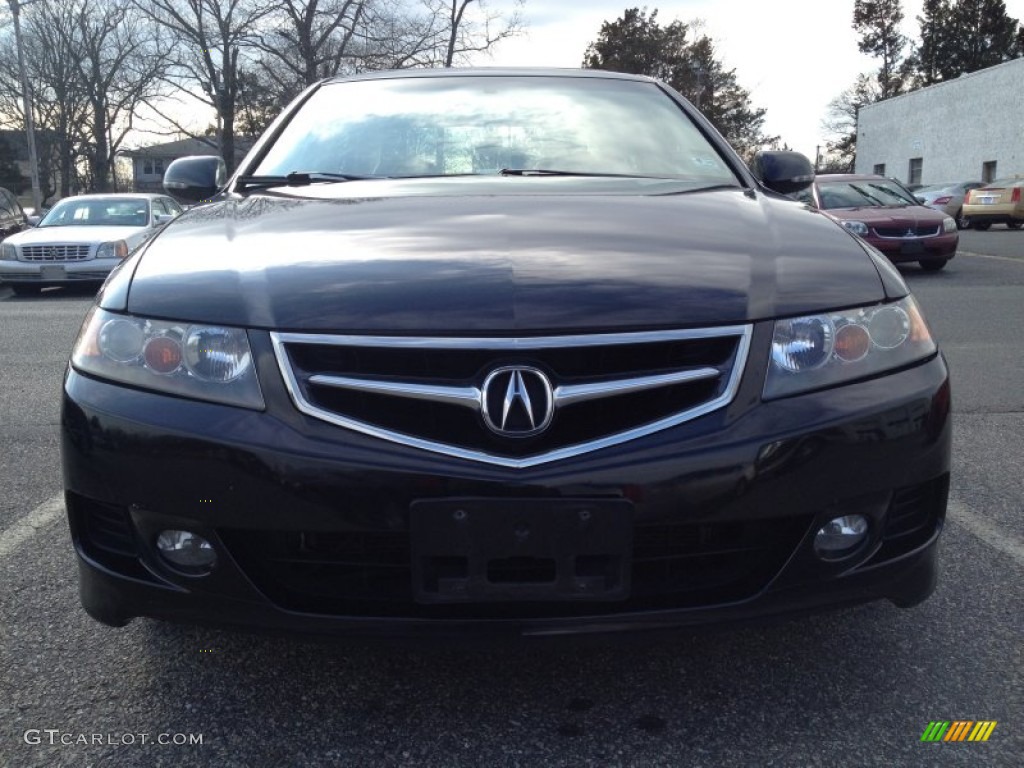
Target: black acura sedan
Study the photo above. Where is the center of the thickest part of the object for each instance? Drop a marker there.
(503, 352)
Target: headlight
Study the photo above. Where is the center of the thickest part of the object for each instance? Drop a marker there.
(8, 252)
(116, 249)
(836, 347)
(197, 361)
(949, 224)
(857, 227)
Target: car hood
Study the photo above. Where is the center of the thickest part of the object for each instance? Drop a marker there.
(906, 216)
(503, 263)
(89, 234)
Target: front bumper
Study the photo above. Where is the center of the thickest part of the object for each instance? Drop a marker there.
(994, 214)
(46, 274)
(941, 247)
(724, 510)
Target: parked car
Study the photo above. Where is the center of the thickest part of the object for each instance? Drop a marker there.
(12, 216)
(948, 198)
(524, 352)
(1000, 202)
(885, 214)
(81, 239)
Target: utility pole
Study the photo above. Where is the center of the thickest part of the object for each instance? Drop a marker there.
(30, 129)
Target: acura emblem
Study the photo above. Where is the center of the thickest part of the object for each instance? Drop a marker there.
(517, 401)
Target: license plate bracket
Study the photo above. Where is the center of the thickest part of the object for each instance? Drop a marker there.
(497, 550)
(912, 248)
(52, 272)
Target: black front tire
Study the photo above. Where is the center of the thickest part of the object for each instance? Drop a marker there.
(1014, 224)
(962, 222)
(933, 265)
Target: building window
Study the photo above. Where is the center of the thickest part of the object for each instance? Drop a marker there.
(914, 173)
(158, 167)
(879, 169)
(147, 167)
(988, 171)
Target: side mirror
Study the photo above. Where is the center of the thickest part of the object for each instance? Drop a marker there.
(161, 218)
(195, 179)
(33, 220)
(783, 171)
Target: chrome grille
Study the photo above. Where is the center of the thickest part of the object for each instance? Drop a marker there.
(55, 252)
(903, 233)
(427, 392)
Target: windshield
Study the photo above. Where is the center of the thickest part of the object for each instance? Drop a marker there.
(447, 126)
(104, 212)
(863, 193)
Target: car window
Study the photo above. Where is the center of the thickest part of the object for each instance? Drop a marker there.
(481, 125)
(863, 193)
(172, 207)
(106, 212)
(159, 207)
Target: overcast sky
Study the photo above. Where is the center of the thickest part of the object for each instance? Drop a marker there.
(794, 56)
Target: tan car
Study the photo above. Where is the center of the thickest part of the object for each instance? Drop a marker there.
(999, 202)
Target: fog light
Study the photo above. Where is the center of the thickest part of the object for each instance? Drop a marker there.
(840, 536)
(187, 550)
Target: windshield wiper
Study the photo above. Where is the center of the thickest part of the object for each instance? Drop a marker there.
(901, 201)
(553, 172)
(297, 179)
(875, 202)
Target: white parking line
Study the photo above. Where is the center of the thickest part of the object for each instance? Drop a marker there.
(23, 530)
(988, 532)
(990, 256)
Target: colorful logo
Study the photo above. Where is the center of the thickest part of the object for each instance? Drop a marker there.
(958, 730)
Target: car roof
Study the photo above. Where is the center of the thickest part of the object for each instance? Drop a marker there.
(403, 74)
(148, 196)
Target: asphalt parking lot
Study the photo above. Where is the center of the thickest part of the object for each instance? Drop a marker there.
(857, 687)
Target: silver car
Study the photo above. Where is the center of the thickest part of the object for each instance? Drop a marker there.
(948, 198)
(81, 239)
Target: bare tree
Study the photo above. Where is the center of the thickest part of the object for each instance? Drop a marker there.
(396, 34)
(59, 101)
(309, 39)
(210, 36)
(121, 63)
(841, 122)
(474, 33)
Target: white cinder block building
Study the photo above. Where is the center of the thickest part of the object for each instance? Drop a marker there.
(968, 129)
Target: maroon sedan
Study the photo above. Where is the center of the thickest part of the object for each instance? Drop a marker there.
(886, 215)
